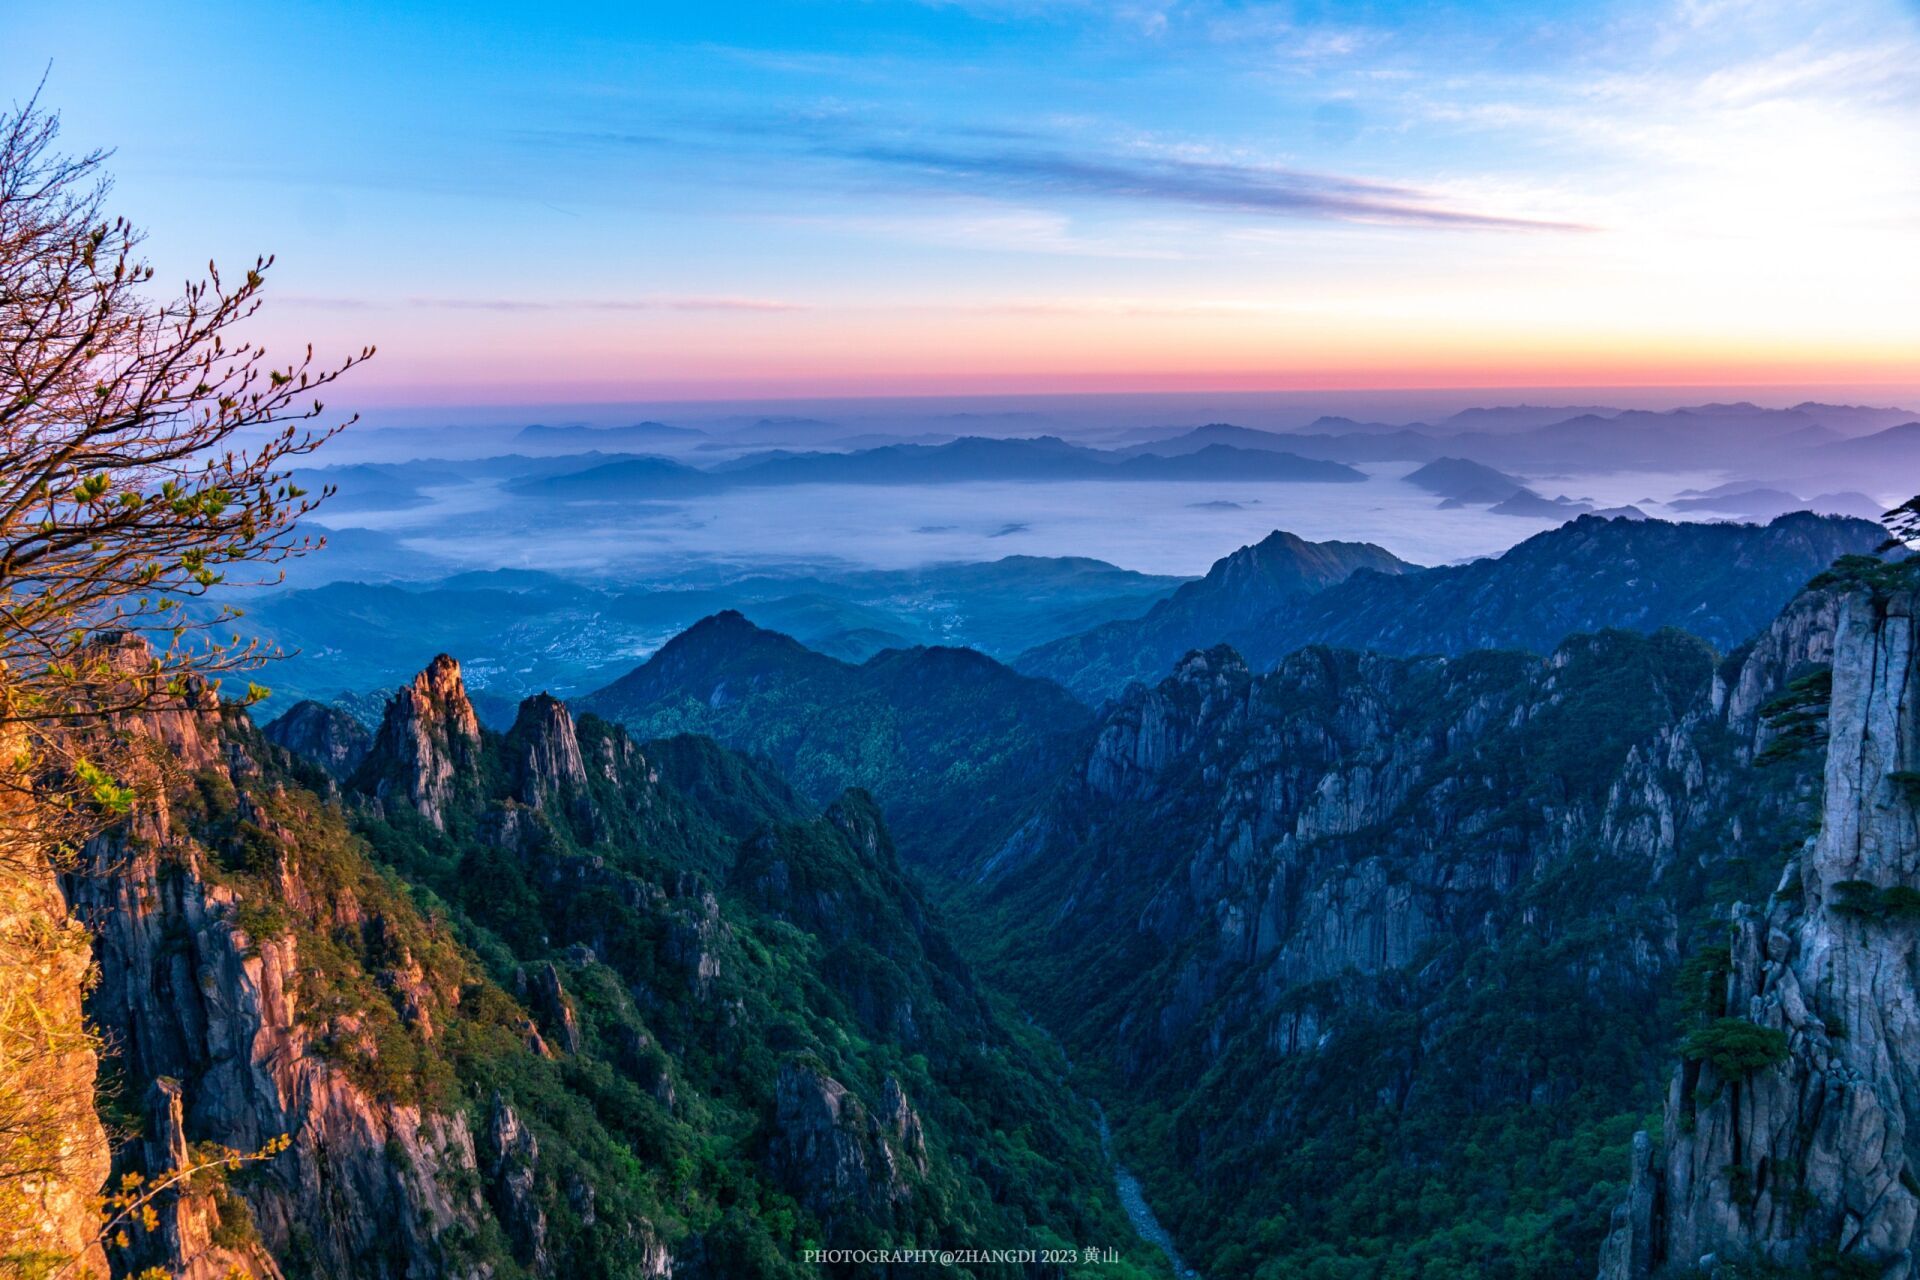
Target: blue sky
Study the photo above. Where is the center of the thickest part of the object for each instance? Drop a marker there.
(593, 201)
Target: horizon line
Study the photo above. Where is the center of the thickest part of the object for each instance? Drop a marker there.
(1568, 388)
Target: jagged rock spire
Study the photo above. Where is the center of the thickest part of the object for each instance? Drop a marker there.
(429, 738)
(546, 750)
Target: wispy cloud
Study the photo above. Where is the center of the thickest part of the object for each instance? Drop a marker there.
(1255, 189)
(978, 163)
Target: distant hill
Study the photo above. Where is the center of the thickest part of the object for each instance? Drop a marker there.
(1460, 480)
(1235, 598)
(1763, 502)
(969, 459)
(1638, 439)
(1856, 419)
(975, 458)
(376, 486)
(1895, 448)
(1520, 417)
(1224, 462)
(638, 435)
(1388, 445)
(916, 727)
(1528, 503)
(524, 631)
(630, 478)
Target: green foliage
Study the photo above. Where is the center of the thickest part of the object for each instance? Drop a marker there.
(1734, 1047)
(1702, 982)
(100, 787)
(1882, 577)
(1466, 1110)
(233, 1228)
(708, 929)
(1864, 900)
(1798, 717)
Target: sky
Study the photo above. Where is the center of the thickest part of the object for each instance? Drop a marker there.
(562, 203)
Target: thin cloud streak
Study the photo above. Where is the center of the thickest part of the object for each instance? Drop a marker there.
(1261, 190)
(1243, 188)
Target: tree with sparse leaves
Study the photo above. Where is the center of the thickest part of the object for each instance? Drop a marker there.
(143, 448)
(144, 452)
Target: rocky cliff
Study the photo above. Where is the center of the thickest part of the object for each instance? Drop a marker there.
(323, 734)
(1792, 1124)
(258, 981)
(1377, 949)
(53, 1151)
(428, 744)
(529, 1004)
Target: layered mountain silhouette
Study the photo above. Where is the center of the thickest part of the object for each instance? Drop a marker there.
(1719, 581)
(969, 459)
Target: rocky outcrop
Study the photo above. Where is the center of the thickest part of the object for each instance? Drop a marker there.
(201, 986)
(323, 734)
(1810, 1146)
(834, 1153)
(428, 741)
(53, 1151)
(203, 1229)
(545, 752)
(552, 1006)
(513, 1158)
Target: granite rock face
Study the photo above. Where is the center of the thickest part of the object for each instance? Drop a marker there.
(546, 751)
(428, 740)
(834, 1152)
(1815, 1153)
(326, 735)
(53, 1129)
(1287, 899)
(198, 1002)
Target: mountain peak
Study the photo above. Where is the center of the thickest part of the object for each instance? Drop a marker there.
(1290, 564)
(545, 750)
(429, 738)
(441, 686)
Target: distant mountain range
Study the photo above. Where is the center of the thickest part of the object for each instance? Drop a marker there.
(1722, 582)
(1833, 451)
(1757, 501)
(970, 459)
(636, 436)
(1588, 438)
